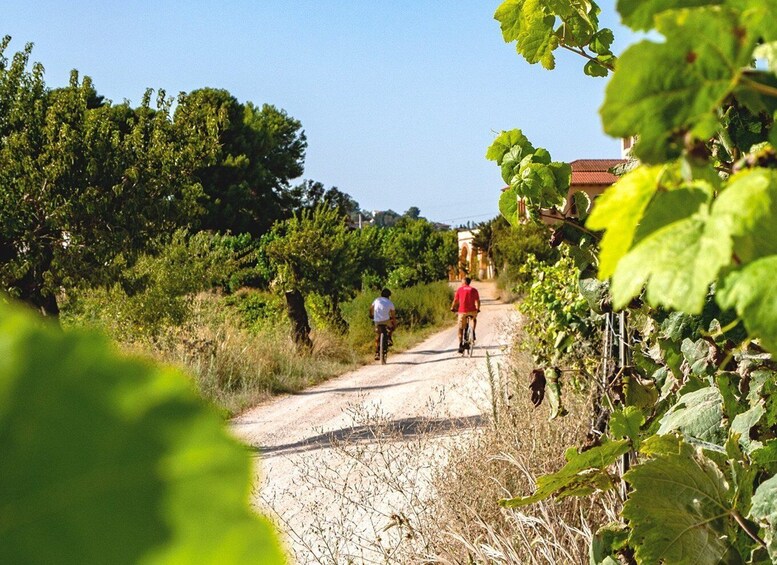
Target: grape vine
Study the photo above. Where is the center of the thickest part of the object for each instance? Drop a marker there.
(686, 243)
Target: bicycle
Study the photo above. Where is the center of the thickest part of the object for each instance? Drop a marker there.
(467, 344)
(383, 343)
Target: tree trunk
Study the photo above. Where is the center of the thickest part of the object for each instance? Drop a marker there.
(298, 316)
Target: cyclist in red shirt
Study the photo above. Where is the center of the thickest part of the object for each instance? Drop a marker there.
(466, 302)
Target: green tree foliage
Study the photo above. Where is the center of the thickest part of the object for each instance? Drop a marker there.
(509, 246)
(156, 292)
(419, 253)
(310, 194)
(82, 181)
(261, 150)
(112, 460)
(688, 249)
(313, 253)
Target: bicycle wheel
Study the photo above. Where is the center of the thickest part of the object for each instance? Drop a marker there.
(383, 345)
(470, 332)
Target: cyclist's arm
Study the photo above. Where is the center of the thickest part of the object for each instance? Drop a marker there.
(372, 311)
(393, 318)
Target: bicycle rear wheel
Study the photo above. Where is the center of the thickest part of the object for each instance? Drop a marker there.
(383, 345)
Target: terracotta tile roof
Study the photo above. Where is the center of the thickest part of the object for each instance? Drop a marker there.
(594, 171)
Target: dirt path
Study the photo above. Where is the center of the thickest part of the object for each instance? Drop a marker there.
(345, 464)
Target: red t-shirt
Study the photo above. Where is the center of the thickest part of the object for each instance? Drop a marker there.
(466, 297)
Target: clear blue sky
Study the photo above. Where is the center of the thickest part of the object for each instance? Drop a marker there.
(399, 99)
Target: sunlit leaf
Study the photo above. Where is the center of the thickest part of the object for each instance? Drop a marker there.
(639, 14)
(112, 460)
(752, 292)
(618, 211)
(661, 88)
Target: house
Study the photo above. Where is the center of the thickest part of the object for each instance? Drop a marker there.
(473, 262)
(591, 176)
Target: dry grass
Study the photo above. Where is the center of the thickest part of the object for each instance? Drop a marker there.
(505, 461)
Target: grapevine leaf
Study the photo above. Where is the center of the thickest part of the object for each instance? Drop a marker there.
(751, 291)
(639, 14)
(508, 206)
(677, 262)
(582, 204)
(728, 384)
(506, 141)
(626, 423)
(584, 473)
(669, 207)
(606, 543)
(678, 508)
(698, 414)
(764, 511)
(697, 354)
(619, 211)
(662, 88)
(766, 456)
(112, 460)
(594, 68)
(747, 211)
(743, 423)
(601, 42)
(529, 24)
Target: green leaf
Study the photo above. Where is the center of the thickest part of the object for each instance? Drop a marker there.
(698, 414)
(679, 508)
(640, 14)
(583, 474)
(594, 68)
(606, 543)
(601, 41)
(764, 511)
(508, 206)
(661, 88)
(582, 204)
(746, 211)
(626, 423)
(744, 422)
(506, 141)
(752, 292)
(678, 263)
(619, 211)
(112, 460)
(529, 24)
(766, 456)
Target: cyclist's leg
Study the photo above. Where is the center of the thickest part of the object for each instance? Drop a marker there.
(377, 341)
(462, 322)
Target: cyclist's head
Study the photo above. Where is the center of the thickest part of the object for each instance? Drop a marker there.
(467, 280)
(385, 293)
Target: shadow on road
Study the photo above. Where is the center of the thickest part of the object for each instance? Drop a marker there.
(349, 388)
(394, 430)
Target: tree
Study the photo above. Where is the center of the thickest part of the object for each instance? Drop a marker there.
(313, 253)
(83, 182)
(310, 194)
(261, 150)
(419, 253)
(412, 213)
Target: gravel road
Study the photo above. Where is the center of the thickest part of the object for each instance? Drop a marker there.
(345, 467)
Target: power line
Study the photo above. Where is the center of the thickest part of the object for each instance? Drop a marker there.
(491, 215)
